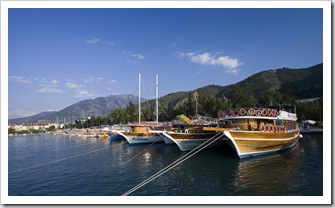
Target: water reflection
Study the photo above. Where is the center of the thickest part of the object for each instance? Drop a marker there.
(114, 167)
(280, 173)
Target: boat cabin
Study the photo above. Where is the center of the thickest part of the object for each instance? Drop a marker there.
(256, 120)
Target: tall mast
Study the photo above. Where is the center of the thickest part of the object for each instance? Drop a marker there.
(139, 98)
(196, 103)
(156, 98)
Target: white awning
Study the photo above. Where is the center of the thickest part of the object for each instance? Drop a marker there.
(309, 121)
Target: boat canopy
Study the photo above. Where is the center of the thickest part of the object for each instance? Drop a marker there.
(309, 122)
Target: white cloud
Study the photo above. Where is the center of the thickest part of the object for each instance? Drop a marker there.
(208, 59)
(84, 93)
(79, 89)
(110, 43)
(139, 56)
(20, 79)
(92, 79)
(74, 86)
(172, 44)
(92, 40)
(48, 86)
(112, 81)
(135, 55)
(48, 89)
(54, 82)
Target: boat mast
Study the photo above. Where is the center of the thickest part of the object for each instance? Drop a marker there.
(139, 98)
(156, 98)
(196, 103)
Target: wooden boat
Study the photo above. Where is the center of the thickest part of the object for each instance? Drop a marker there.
(188, 134)
(114, 135)
(140, 132)
(112, 131)
(257, 131)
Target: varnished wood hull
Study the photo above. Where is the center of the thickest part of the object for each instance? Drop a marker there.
(251, 143)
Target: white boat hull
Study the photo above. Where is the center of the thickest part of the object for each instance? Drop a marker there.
(191, 140)
(142, 139)
(168, 141)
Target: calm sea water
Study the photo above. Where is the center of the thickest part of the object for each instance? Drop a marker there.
(49, 165)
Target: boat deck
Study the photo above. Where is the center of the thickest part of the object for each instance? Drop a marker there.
(216, 129)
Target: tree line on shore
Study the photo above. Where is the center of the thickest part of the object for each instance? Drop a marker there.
(202, 105)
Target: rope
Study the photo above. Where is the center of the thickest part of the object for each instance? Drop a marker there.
(35, 166)
(175, 163)
(70, 147)
(95, 146)
(141, 151)
(164, 110)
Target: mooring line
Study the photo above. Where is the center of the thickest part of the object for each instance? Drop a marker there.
(141, 151)
(175, 163)
(35, 166)
(95, 145)
(70, 147)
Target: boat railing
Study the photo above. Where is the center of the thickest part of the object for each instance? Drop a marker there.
(266, 112)
(265, 127)
(149, 124)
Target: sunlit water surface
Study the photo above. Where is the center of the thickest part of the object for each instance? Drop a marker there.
(49, 165)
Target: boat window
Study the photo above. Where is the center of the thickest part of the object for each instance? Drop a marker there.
(278, 122)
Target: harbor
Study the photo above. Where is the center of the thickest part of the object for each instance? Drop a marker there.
(166, 104)
(65, 165)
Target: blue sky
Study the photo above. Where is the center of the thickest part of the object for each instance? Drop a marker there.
(57, 57)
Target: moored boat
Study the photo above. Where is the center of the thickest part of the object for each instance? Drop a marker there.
(257, 131)
(188, 133)
(113, 131)
(140, 131)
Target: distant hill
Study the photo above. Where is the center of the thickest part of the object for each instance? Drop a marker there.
(298, 83)
(283, 84)
(288, 84)
(81, 110)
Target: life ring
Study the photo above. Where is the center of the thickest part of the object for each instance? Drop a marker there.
(266, 128)
(284, 128)
(261, 128)
(269, 112)
(251, 112)
(258, 112)
(278, 129)
(275, 113)
(242, 112)
(274, 129)
(264, 112)
(270, 128)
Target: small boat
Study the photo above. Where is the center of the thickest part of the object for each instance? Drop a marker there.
(254, 131)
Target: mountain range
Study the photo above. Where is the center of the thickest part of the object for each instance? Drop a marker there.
(81, 110)
(297, 83)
